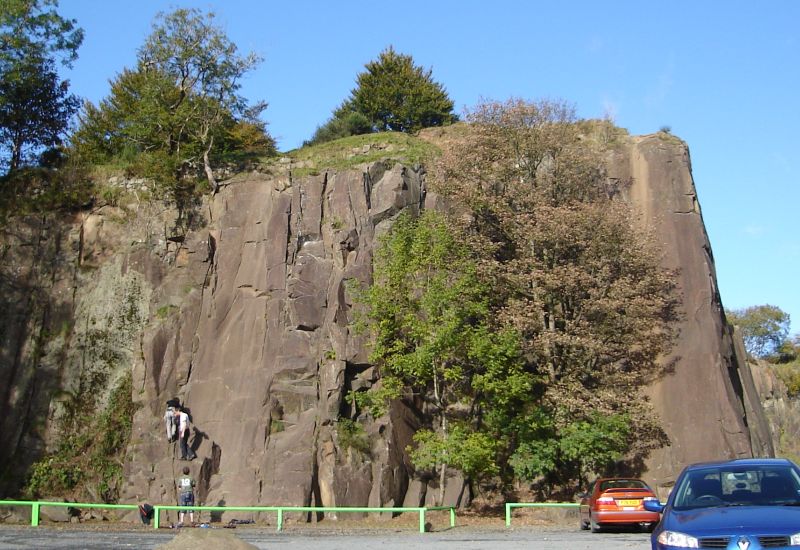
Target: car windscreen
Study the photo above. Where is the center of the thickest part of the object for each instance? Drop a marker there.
(738, 486)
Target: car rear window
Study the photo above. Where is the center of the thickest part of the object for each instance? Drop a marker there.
(622, 484)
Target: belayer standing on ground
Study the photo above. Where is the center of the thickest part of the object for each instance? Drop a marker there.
(185, 495)
(183, 435)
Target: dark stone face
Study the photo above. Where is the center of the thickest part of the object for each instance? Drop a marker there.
(246, 322)
(258, 351)
(705, 398)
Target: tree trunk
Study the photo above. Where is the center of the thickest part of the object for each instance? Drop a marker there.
(207, 166)
(443, 468)
(439, 397)
(16, 154)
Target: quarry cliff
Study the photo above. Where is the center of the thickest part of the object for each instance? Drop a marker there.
(247, 320)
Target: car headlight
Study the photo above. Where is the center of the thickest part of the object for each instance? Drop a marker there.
(681, 540)
(794, 540)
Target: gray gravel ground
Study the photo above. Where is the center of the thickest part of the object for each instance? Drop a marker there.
(458, 538)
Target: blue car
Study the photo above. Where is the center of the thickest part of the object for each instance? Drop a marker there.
(746, 504)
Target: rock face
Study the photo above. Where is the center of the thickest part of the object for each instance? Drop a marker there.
(247, 321)
(707, 401)
(260, 349)
(781, 409)
(75, 293)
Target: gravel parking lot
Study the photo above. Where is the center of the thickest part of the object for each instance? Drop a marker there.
(458, 538)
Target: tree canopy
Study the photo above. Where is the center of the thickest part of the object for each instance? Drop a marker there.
(435, 346)
(557, 309)
(765, 328)
(580, 282)
(35, 104)
(181, 104)
(392, 94)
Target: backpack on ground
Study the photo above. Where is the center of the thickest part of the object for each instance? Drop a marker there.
(146, 513)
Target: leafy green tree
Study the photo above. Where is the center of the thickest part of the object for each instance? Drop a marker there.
(590, 444)
(206, 68)
(35, 106)
(397, 95)
(789, 350)
(180, 107)
(429, 312)
(346, 124)
(764, 328)
(135, 117)
(34, 26)
(392, 94)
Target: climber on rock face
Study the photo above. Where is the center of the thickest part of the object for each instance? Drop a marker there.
(171, 420)
(183, 435)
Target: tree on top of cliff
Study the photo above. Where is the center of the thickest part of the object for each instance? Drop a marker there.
(577, 279)
(35, 104)
(181, 105)
(764, 328)
(392, 94)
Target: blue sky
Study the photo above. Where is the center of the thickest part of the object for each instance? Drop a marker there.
(724, 76)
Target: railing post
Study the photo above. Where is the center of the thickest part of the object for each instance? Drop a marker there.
(156, 516)
(280, 519)
(35, 514)
(452, 517)
(508, 514)
(422, 520)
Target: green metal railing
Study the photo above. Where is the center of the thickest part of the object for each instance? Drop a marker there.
(510, 505)
(36, 505)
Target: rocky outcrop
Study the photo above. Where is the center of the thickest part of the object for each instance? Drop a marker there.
(247, 319)
(259, 346)
(706, 399)
(781, 409)
(75, 292)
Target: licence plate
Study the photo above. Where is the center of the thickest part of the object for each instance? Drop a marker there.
(628, 502)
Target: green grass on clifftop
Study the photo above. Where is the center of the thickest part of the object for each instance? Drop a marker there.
(349, 152)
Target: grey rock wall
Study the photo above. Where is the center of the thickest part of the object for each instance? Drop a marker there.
(781, 410)
(703, 400)
(259, 346)
(75, 292)
(247, 320)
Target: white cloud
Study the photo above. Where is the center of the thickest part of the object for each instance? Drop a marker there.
(782, 162)
(753, 230)
(610, 109)
(662, 87)
(596, 44)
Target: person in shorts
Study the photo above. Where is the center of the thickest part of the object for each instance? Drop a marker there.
(185, 495)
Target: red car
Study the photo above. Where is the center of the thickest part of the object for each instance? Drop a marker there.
(617, 502)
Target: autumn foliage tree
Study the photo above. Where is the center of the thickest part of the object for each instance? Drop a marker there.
(523, 325)
(577, 279)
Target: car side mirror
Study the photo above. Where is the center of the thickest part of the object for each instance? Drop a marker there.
(653, 506)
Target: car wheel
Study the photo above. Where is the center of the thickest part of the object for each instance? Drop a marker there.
(595, 526)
